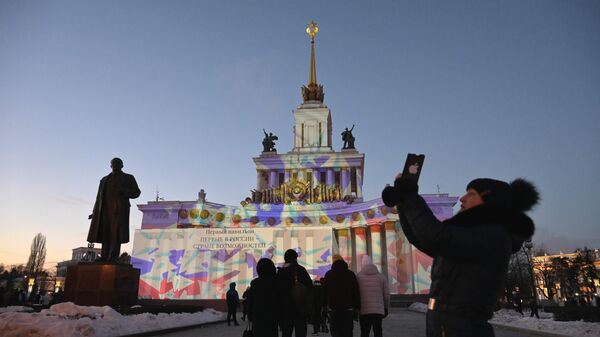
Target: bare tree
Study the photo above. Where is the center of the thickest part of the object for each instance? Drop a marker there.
(37, 256)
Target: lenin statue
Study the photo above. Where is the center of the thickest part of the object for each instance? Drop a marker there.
(110, 218)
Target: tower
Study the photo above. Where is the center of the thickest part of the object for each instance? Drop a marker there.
(312, 167)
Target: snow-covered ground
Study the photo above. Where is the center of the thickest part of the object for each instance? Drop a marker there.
(70, 320)
(16, 308)
(545, 323)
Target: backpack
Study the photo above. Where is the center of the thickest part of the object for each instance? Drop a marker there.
(302, 298)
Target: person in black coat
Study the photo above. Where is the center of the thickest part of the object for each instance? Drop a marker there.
(293, 314)
(342, 297)
(233, 301)
(263, 300)
(470, 251)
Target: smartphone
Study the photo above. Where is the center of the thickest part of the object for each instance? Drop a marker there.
(413, 166)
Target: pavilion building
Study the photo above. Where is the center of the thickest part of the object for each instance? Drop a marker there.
(309, 199)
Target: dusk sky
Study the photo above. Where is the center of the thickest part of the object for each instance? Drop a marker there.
(180, 90)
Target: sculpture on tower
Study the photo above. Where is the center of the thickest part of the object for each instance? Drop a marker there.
(348, 138)
(268, 142)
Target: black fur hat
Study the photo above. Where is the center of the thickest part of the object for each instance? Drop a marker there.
(519, 195)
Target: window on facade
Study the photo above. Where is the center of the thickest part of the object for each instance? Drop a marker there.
(338, 177)
(323, 177)
(281, 178)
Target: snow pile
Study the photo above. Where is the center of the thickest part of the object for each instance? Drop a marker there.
(545, 323)
(16, 308)
(505, 317)
(418, 307)
(70, 320)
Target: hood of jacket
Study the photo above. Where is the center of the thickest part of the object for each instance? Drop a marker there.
(339, 266)
(367, 266)
(517, 224)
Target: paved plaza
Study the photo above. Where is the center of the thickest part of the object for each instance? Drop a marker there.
(400, 323)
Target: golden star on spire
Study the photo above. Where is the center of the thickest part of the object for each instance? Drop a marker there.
(312, 30)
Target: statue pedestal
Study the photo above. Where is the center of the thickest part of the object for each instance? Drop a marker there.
(101, 284)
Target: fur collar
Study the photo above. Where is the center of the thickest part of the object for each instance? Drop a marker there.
(519, 225)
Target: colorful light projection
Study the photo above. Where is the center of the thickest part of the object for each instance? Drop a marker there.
(200, 263)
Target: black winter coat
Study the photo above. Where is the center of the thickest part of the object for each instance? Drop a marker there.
(285, 281)
(263, 306)
(341, 287)
(471, 252)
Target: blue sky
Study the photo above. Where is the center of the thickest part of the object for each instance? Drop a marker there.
(182, 89)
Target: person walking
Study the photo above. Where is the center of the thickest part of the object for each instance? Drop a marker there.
(518, 302)
(374, 298)
(233, 301)
(245, 303)
(533, 306)
(263, 301)
(295, 301)
(470, 251)
(317, 319)
(342, 297)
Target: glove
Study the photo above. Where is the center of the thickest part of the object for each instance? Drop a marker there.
(386, 312)
(406, 186)
(392, 196)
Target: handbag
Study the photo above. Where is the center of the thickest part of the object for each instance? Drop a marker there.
(248, 332)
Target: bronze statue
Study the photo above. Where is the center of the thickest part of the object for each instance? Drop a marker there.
(268, 142)
(348, 138)
(110, 218)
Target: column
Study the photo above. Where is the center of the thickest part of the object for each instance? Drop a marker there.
(272, 178)
(344, 245)
(345, 182)
(392, 261)
(359, 182)
(258, 179)
(376, 252)
(360, 239)
(286, 176)
(330, 176)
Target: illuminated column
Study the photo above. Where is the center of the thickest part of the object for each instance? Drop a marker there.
(360, 239)
(359, 182)
(286, 176)
(392, 261)
(272, 178)
(376, 253)
(345, 182)
(312, 177)
(344, 243)
(259, 180)
(330, 178)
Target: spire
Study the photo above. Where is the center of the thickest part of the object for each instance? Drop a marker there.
(313, 91)
(312, 30)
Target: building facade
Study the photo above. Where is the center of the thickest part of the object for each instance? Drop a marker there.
(309, 199)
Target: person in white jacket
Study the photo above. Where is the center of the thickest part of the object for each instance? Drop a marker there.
(374, 298)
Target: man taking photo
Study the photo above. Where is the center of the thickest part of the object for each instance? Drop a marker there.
(470, 250)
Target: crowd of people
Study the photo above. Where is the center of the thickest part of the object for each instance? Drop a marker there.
(286, 299)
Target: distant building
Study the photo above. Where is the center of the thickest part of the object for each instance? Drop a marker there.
(568, 277)
(79, 254)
